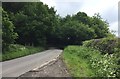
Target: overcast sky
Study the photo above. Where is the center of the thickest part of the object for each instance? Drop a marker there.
(108, 9)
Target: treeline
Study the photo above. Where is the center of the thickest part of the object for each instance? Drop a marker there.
(34, 23)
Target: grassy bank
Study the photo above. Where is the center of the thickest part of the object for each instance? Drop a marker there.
(87, 62)
(17, 51)
(76, 63)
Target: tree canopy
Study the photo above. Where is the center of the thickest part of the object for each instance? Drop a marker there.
(8, 34)
(34, 23)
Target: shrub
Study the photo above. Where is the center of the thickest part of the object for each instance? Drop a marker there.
(105, 45)
(109, 46)
(104, 66)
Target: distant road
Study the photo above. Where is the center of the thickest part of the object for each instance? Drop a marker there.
(19, 66)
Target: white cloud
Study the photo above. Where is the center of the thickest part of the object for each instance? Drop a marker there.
(64, 8)
(95, 6)
(50, 3)
(114, 27)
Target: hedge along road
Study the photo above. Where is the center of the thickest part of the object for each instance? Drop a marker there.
(19, 66)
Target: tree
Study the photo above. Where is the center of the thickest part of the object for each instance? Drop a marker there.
(34, 23)
(37, 24)
(100, 26)
(8, 35)
(73, 32)
(81, 17)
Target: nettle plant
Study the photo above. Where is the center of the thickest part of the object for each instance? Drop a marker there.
(105, 66)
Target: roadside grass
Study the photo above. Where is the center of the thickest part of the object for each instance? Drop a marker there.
(17, 51)
(77, 65)
(88, 62)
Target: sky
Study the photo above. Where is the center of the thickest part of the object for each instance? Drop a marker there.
(108, 9)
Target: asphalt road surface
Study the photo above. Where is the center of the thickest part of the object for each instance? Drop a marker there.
(19, 66)
(56, 68)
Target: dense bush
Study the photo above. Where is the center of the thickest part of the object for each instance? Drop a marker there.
(109, 47)
(105, 45)
(105, 65)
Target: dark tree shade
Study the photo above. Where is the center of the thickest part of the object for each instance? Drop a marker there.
(37, 24)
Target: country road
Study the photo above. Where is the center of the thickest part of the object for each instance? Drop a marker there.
(19, 66)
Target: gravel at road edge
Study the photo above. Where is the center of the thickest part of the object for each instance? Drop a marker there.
(56, 68)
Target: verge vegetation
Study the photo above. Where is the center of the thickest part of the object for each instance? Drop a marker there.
(17, 51)
(96, 61)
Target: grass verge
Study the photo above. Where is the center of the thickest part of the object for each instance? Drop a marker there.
(17, 51)
(78, 66)
(88, 62)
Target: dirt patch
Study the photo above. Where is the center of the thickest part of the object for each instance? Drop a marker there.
(53, 69)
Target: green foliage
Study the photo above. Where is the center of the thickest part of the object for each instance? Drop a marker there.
(8, 34)
(100, 26)
(82, 17)
(16, 51)
(105, 66)
(13, 6)
(76, 62)
(73, 32)
(34, 23)
(100, 65)
(38, 25)
(79, 27)
(105, 45)
(109, 45)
